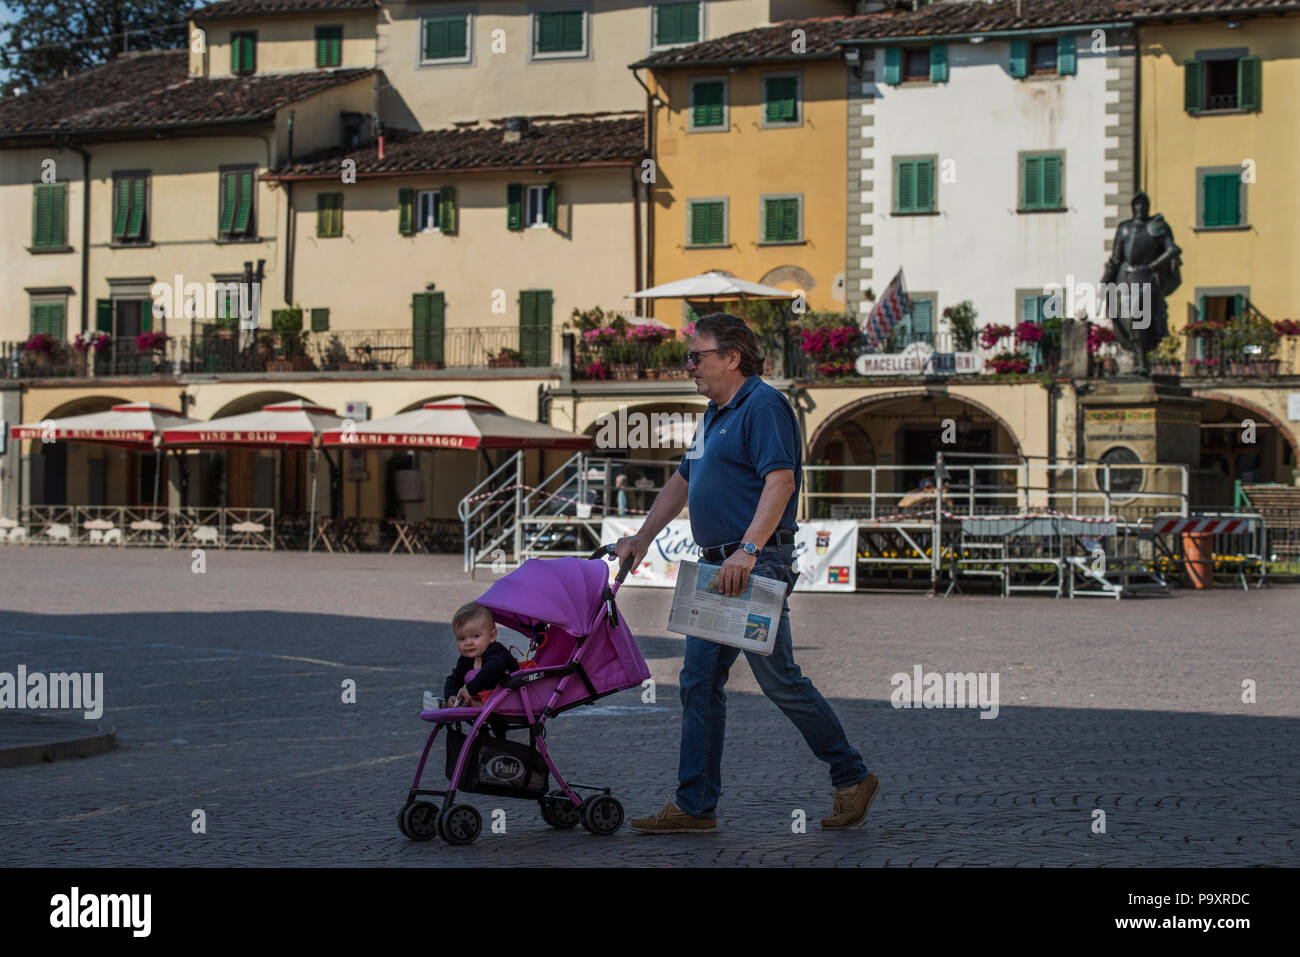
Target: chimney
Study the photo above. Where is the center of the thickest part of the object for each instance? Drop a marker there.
(516, 128)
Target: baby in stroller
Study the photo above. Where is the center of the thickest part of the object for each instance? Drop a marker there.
(476, 640)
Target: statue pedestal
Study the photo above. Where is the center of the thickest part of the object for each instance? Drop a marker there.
(1131, 421)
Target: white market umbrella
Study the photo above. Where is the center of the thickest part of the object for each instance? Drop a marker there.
(711, 285)
(455, 423)
(132, 425)
(279, 425)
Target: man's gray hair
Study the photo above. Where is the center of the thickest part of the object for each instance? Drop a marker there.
(730, 332)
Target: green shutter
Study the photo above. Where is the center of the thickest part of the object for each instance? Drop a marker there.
(514, 206)
(1221, 206)
(229, 201)
(37, 313)
(716, 231)
(699, 224)
(54, 320)
(236, 41)
(250, 54)
(551, 190)
(322, 214)
(1018, 65)
(320, 320)
(535, 326)
(921, 315)
(707, 110)
(893, 70)
(939, 63)
(1248, 85)
(322, 47)
(771, 220)
(1065, 57)
(329, 215)
(104, 315)
(329, 46)
(435, 39)
(1200, 315)
(420, 327)
(123, 211)
(447, 209)
(677, 23)
(559, 32)
(243, 212)
(779, 94)
(1238, 304)
(136, 220)
(527, 324)
(436, 324)
(924, 186)
(781, 220)
(1051, 168)
(405, 212)
(905, 186)
(58, 213)
(243, 57)
(1029, 309)
(1193, 86)
(1031, 189)
(49, 215)
(571, 34)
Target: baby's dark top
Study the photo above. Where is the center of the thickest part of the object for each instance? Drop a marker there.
(497, 663)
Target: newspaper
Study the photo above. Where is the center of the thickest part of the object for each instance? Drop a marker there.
(748, 620)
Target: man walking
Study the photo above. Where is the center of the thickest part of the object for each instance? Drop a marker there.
(741, 478)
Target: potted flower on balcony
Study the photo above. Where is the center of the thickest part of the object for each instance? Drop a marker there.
(961, 322)
(1165, 358)
(42, 351)
(670, 359)
(90, 344)
(507, 359)
(1203, 367)
(1009, 363)
(291, 353)
(993, 333)
(622, 357)
(593, 370)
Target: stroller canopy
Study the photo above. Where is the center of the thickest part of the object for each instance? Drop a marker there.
(562, 591)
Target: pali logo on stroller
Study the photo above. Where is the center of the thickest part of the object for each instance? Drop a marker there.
(586, 652)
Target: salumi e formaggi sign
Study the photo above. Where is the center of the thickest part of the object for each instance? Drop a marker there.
(825, 553)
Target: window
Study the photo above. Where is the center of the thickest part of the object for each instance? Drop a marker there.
(243, 51)
(446, 39)
(708, 105)
(426, 218)
(1033, 308)
(329, 46)
(1220, 198)
(1221, 81)
(428, 325)
(320, 320)
(50, 216)
(706, 222)
(1040, 182)
(130, 207)
(541, 207)
(782, 219)
(918, 324)
(237, 218)
(1221, 304)
(47, 317)
(329, 215)
(1044, 58)
(914, 185)
(352, 128)
(916, 64)
(781, 100)
(676, 23)
(560, 33)
(535, 326)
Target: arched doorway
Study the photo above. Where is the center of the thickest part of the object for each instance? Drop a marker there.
(637, 448)
(1241, 442)
(88, 473)
(900, 434)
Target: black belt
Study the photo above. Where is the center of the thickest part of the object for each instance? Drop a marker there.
(719, 553)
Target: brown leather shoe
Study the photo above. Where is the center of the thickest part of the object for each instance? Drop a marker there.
(851, 803)
(673, 820)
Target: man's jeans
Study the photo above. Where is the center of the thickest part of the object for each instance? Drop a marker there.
(704, 704)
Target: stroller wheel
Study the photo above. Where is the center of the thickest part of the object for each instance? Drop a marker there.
(460, 824)
(418, 821)
(602, 815)
(559, 811)
(401, 821)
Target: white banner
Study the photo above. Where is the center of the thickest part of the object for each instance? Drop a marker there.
(825, 552)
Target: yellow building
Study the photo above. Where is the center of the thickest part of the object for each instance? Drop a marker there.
(748, 135)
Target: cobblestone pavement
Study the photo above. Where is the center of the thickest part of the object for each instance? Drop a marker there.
(225, 690)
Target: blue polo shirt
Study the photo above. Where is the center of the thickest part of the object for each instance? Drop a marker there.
(734, 448)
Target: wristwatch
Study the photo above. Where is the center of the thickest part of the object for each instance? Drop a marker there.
(749, 548)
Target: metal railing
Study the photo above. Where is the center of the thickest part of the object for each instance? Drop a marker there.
(215, 350)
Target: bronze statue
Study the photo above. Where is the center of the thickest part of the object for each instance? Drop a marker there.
(1143, 269)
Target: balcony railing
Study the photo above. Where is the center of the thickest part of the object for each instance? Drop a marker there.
(214, 350)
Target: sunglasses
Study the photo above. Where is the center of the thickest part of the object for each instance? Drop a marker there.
(693, 358)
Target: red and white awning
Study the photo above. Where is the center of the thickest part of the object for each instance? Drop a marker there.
(295, 423)
(455, 423)
(132, 425)
(1209, 526)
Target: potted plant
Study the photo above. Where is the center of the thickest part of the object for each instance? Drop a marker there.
(506, 359)
(1203, 367)
(961, 323)
(622, 358)
(670, 357)
(1165, 358)
(291, 354)
(336, 355)
(593, 370)
(1009, 363)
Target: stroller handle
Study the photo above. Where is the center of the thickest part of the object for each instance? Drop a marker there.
(607, 551)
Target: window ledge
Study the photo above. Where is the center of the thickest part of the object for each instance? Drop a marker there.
(707, 246)
(932, 212)
(783, 242)
(1231, 112)
(43, 250)
(447, 61)
(914, 84)
(1055, 209)
(239, 241)
(145, 245)
(720, 128)
(782, 125)
(1045, 76)
(1239, 228)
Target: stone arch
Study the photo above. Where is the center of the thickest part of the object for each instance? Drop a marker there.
(253, 401)
(800, 277)
(846, 412)
(84, 406)
(419, 404)
(1283, 428)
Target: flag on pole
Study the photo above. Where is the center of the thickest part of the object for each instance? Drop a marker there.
(888, 311)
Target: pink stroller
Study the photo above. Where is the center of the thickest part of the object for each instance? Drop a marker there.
(566, 605)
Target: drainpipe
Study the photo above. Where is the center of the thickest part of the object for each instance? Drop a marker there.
(636, 240)
(85, 232)
(288, 226)
(1138, 181)
(650, 103)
